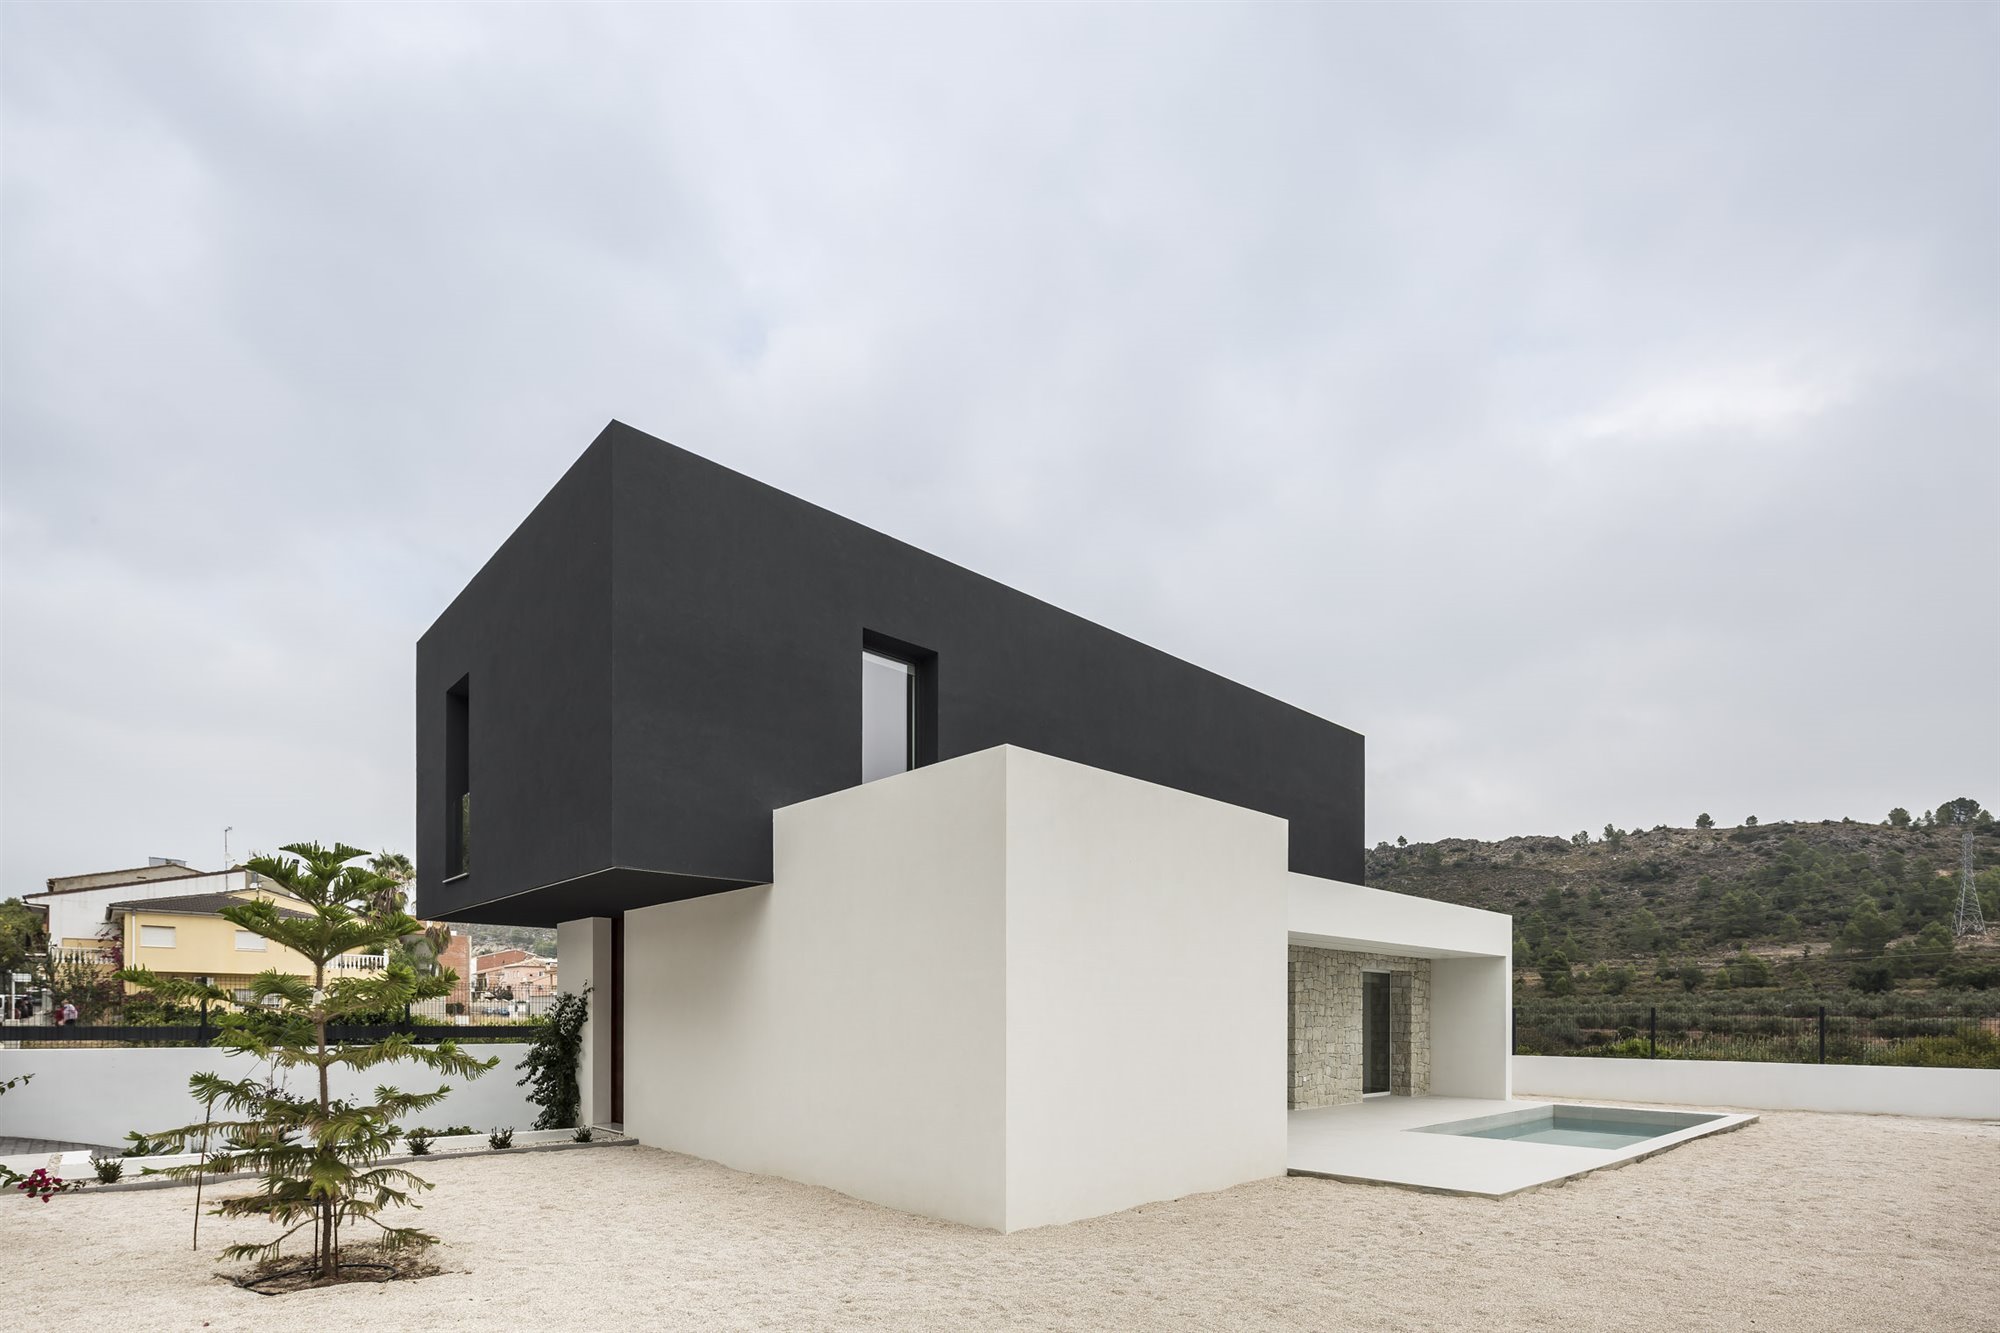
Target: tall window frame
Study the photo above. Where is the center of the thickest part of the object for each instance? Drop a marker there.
(458, 779)
(898, 706)
(888, 716)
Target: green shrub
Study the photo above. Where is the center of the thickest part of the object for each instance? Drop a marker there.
(1974, 1048)
(500, 1138)
(147, 1011)
(108, 1169)
(1872, 978)
(1631, 1048)
(582, 1134)
(553, 1059)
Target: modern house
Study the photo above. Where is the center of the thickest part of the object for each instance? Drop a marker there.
(887, 877)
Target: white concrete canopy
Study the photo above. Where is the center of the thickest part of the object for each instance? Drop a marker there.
(1471, 997)
(1328, 914)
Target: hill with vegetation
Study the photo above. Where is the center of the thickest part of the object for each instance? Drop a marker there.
(1710, 921)
(490, 939)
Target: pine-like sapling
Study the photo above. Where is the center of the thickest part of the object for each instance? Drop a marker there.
(315, 1154)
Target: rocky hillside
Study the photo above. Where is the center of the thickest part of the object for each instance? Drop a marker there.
(487, 939)
(1699, 893)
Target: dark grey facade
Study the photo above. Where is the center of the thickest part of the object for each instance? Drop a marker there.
(666, 651)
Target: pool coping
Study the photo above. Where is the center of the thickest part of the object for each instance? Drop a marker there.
(1631, 1115)
(1492, 1168)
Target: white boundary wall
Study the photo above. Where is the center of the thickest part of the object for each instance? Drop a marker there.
(1868, 1089)
(99, 1095)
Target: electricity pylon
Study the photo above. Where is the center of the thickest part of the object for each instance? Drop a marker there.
(1970, 920)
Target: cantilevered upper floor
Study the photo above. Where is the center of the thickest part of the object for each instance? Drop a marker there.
(666, 651)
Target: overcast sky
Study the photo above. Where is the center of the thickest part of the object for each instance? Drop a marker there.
(1596, 407)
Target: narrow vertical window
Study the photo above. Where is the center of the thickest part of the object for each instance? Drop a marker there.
(888, 705)
(458, 779)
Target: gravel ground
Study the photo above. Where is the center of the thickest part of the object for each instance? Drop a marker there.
(1798, 1222)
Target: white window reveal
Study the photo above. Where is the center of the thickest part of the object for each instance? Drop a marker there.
(156, 937)
(249, 941)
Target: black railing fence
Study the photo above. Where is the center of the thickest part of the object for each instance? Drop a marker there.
(1800, 1035)
(144, 1023)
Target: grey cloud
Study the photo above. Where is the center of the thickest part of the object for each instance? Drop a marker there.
(1595, 406)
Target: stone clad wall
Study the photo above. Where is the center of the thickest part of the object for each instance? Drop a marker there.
(1409, 1014)
(1325, 1046)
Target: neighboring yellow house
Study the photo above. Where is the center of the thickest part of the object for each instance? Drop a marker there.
(184, 937)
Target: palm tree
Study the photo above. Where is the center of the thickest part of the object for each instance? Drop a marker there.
(397, 875)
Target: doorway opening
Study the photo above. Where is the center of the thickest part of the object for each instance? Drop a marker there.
(1374, 1034)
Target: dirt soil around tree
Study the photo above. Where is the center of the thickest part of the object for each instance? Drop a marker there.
(1798, 1222)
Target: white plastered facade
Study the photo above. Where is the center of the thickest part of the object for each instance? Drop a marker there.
(584, 948)
(78, 916)
(1010, 991)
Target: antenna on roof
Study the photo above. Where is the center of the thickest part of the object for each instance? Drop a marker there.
(225, 845)
(1970, 920)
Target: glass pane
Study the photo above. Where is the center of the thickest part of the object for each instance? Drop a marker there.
(886, 686)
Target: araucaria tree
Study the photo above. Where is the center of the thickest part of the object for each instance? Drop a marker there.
(316, 1154)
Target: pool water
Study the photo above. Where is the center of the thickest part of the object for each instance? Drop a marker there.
(1574, 1126)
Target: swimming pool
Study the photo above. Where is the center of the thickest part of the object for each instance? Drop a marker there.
(1608, 1127)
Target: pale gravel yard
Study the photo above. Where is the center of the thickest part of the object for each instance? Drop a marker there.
(1799, 1222)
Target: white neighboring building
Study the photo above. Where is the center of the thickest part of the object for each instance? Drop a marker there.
(75, 906)
(1011, 990)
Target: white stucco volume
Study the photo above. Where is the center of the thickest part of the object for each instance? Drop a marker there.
(1005, 989)
(1010, 991)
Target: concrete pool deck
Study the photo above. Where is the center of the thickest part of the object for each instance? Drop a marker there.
(1373, 1142)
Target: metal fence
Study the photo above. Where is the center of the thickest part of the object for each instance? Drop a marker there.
(1797, 1036)
(138, 1022)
